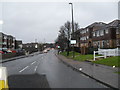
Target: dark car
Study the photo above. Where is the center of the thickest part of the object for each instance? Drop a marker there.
(20, 51)
(5, 51)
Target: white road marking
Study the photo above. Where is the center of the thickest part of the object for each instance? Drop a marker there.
(23, 69)
(35, 68)
(33, 62)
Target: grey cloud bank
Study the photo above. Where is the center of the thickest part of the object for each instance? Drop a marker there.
(41, 21)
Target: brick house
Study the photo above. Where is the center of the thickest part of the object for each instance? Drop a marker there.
(115, 26)
(88, 34)
(107, 36)
(99, 35)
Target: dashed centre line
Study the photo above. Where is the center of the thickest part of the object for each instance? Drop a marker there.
(28, 66)
(23, 69)
(33, 62)
(35, 68)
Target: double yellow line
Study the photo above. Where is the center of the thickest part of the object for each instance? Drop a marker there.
(3, 78)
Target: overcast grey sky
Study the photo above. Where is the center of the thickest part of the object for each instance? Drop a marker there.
(41, 20)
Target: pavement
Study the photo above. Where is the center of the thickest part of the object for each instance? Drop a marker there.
(101, 73)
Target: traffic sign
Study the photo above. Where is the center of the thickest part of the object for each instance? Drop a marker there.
(73, 42)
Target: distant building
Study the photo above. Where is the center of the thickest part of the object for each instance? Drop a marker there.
(18, 44)
(7, 41)
(1, 39)
(30, 47)
(10, 42)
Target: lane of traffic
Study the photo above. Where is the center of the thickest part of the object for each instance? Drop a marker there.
(61, 76)
(15, 66)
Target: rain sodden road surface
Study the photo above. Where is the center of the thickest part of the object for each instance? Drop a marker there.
(46, 70)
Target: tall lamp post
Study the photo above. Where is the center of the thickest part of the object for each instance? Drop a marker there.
(72, 20)
(72, 27)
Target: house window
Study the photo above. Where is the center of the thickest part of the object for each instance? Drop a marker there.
(97, 33)
(87, 29)
(5, 37)
(117, 31)
(103, 44)
(101, 32)
(94, 34)
(106, 31)
(107, 42)
(118, 42)
(87, 37)
(84, 38)
(94, 43)
(98, 43)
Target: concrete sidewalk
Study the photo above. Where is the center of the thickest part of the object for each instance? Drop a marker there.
(103, 74)
(18, 57)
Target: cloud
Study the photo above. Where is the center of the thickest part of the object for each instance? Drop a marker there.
(30, 21)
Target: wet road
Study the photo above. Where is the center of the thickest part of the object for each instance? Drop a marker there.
(46, 70)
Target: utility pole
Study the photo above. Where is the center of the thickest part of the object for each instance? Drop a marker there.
(72, 27)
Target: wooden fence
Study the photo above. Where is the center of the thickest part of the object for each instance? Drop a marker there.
(107, 52)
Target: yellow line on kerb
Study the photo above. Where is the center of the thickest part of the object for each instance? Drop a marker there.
(3, 85)
(3, 78)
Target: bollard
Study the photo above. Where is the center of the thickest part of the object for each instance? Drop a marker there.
(3, 78)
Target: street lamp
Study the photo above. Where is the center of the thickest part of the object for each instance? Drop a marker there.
(72, 27)
(72, 19)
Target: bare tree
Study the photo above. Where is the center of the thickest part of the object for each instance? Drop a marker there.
(68, 28)
(64, 37)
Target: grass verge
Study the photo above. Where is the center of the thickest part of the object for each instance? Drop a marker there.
(78, 56)
(110, 61)
(117, 72)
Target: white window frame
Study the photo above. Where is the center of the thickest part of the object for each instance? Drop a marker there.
(94, 34)
(117, 31)
(101, 32)
(87, 37)
(98, 33)
(106, 31)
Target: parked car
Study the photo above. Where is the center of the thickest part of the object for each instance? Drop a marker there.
(20, 51)
(1, 52)
(9, 51)
(45, 51)
(13, 51)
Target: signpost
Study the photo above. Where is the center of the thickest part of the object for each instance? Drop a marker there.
(73, 42)
(36, 46)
